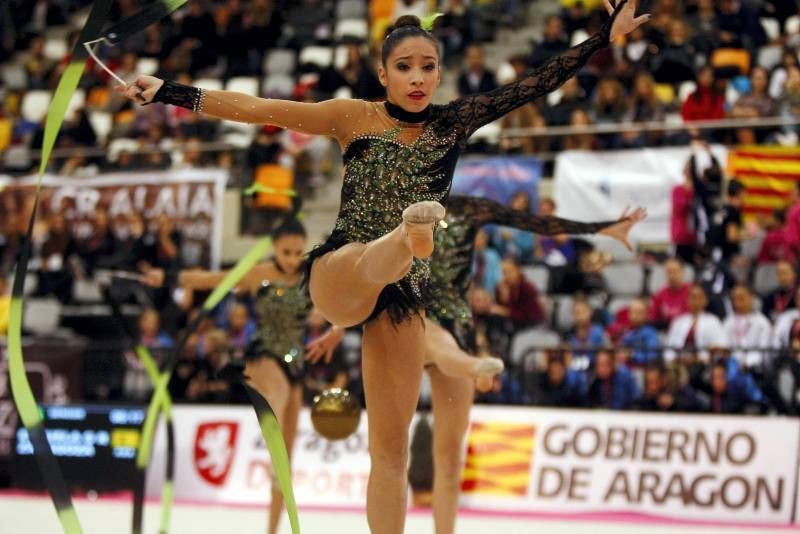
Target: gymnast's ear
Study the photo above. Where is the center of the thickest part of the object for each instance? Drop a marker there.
(382, 76)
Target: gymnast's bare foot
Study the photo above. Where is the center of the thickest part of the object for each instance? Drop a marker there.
(419, 220)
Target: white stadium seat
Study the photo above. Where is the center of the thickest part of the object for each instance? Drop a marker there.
(243, 84)
(322, 56)
(35, 104)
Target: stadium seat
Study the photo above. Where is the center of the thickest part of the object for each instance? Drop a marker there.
(119, 145)
(343, 92)
(35, 104)
(792, 25)
(770, 56)
(658, 277)
(356, 28)
(76, 103)
(578, 36)
(55, 48)
(14, 76)
(243, 84)
(340, 57)
(771, 27)
(624, 278)
(562, 312)
(732, 59)
(765, 279)
(665, 93)
(554, 97)
(686, 89)
(506, 74)
(321, 56)
(489, 133)
(87, 290)
(531, 339)
(351, 9)
(41, 315)
(278, 86)
(238, 139)
(211, 84)
(102, 122)
(619, 303)
(147, 66)
(280, 61)
(540, 276)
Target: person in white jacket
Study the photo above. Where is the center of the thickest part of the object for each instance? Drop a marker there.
(782, 333)
(696, 331)
(746, 331)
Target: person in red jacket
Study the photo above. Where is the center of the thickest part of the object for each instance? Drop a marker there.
(673, 299)
(682, 227)
(517, 298)
(707, 102)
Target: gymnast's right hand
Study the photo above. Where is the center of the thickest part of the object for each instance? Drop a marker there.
(142, 90)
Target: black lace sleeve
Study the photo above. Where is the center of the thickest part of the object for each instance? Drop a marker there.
(482, 211)
(475, 111)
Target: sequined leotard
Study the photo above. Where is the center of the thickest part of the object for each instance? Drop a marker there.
(392, 158)
(282, 311)
(451, 263)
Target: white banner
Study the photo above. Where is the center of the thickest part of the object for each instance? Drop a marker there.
(193, 198)
(707, 468)
(595, 186)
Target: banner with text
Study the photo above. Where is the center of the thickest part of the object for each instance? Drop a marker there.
(706, 468)
(193, 199)
(598, 186)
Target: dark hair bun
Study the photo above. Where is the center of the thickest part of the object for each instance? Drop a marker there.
(408, 20)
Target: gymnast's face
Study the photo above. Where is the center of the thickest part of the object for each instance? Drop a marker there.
(289, 250)
(411, 73)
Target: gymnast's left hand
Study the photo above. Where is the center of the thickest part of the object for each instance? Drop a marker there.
(626, 20)
(620, 230)
(142, 90)
(323, 347)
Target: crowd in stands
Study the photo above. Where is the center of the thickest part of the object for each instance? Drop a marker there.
(714, 340)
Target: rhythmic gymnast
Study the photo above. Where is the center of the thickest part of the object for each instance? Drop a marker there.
(399, 160)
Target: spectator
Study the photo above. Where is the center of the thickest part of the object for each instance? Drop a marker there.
(694, 332)
(505, 390)
(586, 337)
(37, 66)
(241, 328)
(610, 104)
(788, 107)
(613, 386)
(784, 297)
(673, 299)
(675, 61)
(667, 390)
(554, 41)
(747, 331)
(779, 83)
(704, 23)
(787, 327)
(136, 382)
(644, 105)
(581, 141)
(726, 397)
(642, 338)
(682, 219)
(476, 78)
(707, 102)
(572, 98)
(486, 265)
(5, 305)
(739, 27)
(99, 244)
(559, 385)
(727, 224)
(776, 247)
(58, 254)
(359, 75)
(793, 219)
(511, 241)
(758, 103)
(517, 298)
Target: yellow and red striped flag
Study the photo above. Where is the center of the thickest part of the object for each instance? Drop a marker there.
(499, 457)
(768, 174)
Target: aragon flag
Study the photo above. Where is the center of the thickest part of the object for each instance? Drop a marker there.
(768, 173)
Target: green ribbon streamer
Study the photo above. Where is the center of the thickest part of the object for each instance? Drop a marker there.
(427, 22)
(261, 188)
(21, 390)
(167, 497)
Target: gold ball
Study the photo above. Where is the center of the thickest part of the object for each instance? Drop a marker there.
(335, 414)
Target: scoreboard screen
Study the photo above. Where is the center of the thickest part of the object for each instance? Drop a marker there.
(95, 446)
